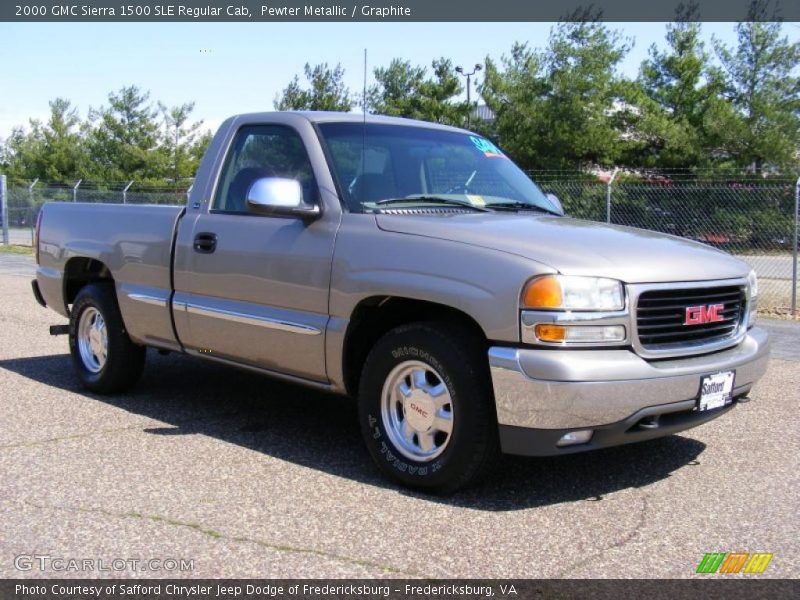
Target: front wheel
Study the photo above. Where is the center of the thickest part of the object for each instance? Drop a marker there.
(426, 408)
(105, 358)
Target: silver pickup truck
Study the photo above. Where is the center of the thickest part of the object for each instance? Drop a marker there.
(414, 267)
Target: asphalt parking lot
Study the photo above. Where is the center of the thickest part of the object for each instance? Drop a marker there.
(249, 477)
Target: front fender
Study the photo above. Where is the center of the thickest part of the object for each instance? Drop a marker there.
(484, 284)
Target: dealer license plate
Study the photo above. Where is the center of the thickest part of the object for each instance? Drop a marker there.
(716, 390)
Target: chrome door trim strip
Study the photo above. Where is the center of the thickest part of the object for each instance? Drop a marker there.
(148, 299)
(258, 321)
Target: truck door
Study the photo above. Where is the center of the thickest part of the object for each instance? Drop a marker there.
(250, 288)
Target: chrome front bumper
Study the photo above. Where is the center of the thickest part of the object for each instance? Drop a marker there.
(563, 390)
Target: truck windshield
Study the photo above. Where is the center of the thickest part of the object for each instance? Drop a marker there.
(378, 162)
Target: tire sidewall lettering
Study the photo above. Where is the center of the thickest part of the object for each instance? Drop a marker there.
(418, 469)
(455, 356)
(405, 352)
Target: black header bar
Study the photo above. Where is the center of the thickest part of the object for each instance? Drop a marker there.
(386, 10)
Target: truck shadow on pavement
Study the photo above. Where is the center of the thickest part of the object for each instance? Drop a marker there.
(320, 431)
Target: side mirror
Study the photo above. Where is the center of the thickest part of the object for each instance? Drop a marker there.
(556, 204)
(279, 197)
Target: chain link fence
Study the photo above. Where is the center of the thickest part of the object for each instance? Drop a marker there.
(755, 219)
(24, 201)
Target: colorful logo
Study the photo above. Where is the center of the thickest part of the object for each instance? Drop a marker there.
(699, 315)
(488, 148)
(734, 562)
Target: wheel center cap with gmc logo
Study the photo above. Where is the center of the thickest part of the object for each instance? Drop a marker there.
(419, 410)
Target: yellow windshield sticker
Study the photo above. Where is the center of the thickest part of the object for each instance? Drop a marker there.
(476, 200)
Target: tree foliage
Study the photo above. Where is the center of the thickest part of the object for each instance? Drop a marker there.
(182, 141)
(130, 139)
(124, 135)
(326, 91)
(404, 90)
(675, 101)
(759, 78)
(53, 150)
(561, 107)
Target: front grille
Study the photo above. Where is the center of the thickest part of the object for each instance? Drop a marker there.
(660, 316)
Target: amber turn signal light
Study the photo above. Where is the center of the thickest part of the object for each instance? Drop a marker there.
(551, 333)
(543, 292)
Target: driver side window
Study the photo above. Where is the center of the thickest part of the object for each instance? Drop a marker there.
(263, 151)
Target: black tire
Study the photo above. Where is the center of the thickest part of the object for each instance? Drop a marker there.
(461, 362)
(124, 360)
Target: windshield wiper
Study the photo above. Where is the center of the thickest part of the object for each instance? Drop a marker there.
(431, 200)
(520, 206)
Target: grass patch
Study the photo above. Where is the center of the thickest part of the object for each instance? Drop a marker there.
(16, 249)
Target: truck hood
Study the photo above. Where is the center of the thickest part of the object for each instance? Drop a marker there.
(576, 247)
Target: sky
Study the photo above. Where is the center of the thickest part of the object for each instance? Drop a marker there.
(229, 68)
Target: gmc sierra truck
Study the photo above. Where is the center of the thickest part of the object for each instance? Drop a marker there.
(414, 267)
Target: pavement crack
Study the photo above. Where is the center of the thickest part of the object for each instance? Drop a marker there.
(569, 570)
(220, 536)
(64, 438)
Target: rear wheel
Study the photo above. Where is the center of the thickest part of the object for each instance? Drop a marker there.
(105, 358)
(426, 407)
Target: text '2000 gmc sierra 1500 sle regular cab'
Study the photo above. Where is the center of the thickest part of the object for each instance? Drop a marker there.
(414, 267)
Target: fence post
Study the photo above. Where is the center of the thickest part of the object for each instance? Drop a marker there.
(4, 207)
(608, 194)
(794, 247)
(30, 189)
(125, 192)
(31, 209)
(75, 191)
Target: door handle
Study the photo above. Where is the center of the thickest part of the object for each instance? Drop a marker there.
(205, 243)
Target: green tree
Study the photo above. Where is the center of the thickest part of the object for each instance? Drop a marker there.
(63, 144)
(586, 97)
(181, 142)
(53, 151)
(5, 156)
(760, 79)
(676, 99)
(564, 107)
(125, 141)
(404, 90)
(516, 91)
(396, 92)
(198, 149)
(22, 153)
(123, 138)
(326, 91)
(439, 95)
(673, 78)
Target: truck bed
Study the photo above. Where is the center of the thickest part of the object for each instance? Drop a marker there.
(133, 241)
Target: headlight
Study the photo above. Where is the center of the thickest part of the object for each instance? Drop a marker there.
(567, 292)
(752, 283)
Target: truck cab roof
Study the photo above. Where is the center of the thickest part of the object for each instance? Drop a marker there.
(342, 117)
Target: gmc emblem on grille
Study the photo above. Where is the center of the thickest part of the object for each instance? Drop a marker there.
(698, 315)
